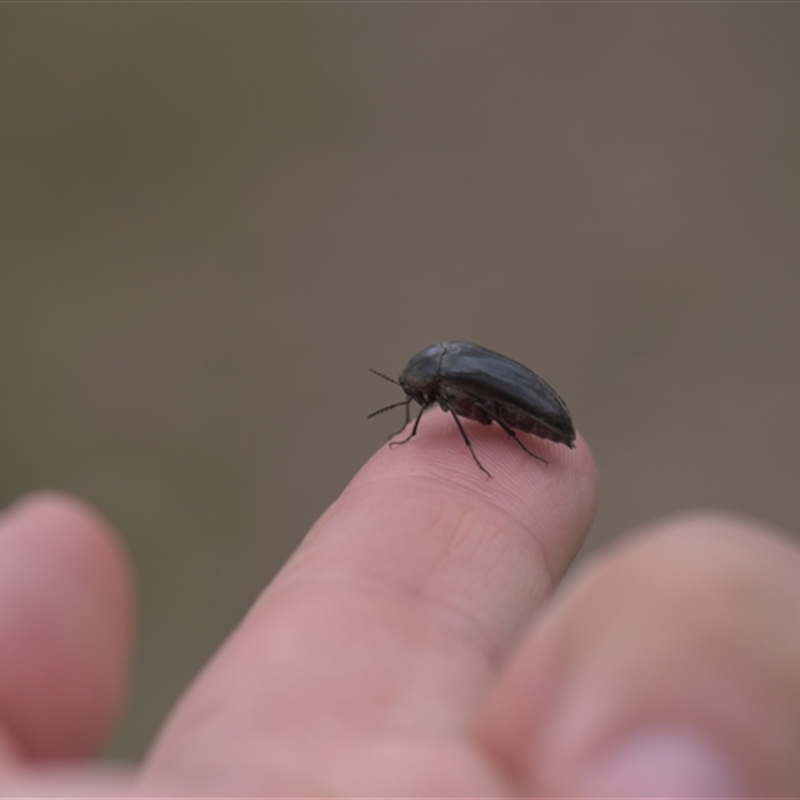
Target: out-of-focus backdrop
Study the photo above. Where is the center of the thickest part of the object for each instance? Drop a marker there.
(215, 217)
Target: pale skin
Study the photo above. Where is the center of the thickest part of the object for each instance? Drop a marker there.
(415, 645)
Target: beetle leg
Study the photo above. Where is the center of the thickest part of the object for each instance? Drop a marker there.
(414, 429)
(468, 442)
(510, 431)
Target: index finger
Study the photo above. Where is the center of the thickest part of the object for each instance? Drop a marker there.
(394, 613)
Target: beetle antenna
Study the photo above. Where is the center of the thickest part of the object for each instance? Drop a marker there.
(381, 410)
(386, 378)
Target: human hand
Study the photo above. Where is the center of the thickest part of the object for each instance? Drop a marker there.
(412, 646)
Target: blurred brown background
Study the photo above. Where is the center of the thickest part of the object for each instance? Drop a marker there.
(216, 217)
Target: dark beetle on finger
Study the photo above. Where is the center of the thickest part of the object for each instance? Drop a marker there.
(470, 381)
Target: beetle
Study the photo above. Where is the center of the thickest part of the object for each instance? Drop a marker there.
(472, 382)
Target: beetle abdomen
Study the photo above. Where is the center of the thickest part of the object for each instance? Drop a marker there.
(545, 423)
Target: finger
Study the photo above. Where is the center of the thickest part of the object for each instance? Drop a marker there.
(61, 781)
(671, 667)
(65, 629)
(393, 614)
